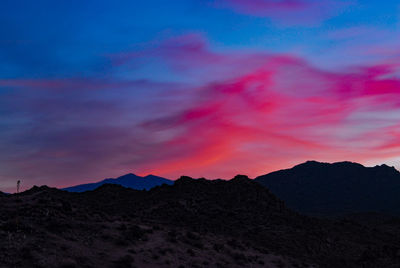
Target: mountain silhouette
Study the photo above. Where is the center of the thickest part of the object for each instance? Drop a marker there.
(192, 223)
(338, 188)
(129, 180)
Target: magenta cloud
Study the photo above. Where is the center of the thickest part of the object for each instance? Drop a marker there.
(240, 113)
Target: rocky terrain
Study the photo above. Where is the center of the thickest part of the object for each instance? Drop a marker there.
(193, 223)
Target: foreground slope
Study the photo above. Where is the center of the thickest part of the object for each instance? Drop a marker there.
(129, 180)
(339, 188)
(193, 223)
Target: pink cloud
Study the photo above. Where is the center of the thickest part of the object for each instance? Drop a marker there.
(259, 113)
(286, 107)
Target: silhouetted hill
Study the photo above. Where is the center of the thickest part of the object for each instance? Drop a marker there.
(129, 180)
(203, 203)
(339, 188)
(193, 223)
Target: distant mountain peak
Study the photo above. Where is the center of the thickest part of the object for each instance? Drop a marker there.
(129, 180)
(129, 175)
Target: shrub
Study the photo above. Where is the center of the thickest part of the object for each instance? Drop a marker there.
(122, 227)
(192, 236)
(171, 236)
(122, 242)
(134, 232)
(218, 247)
(239, 257)
(68, 264)
(190, 252)
(124, 262)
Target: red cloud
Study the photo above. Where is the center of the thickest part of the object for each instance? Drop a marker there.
(241, 113)
(283, 110)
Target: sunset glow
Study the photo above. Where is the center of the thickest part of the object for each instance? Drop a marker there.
(198, 88)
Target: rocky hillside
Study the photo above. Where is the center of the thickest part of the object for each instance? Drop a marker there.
(193, 223)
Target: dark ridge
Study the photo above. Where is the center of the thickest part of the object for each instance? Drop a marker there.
(39, 189)
(184, 180)
(338, 188)
(315, 164)
(241, 179)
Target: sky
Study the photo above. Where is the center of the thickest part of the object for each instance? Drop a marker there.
(204, 88)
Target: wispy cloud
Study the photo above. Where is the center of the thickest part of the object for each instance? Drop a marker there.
(286, 12)
(252, 113)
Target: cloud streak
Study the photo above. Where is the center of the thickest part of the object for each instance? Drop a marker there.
(241, 113)
(286, 12)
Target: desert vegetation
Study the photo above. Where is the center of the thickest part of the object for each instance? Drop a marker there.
(193, 223)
